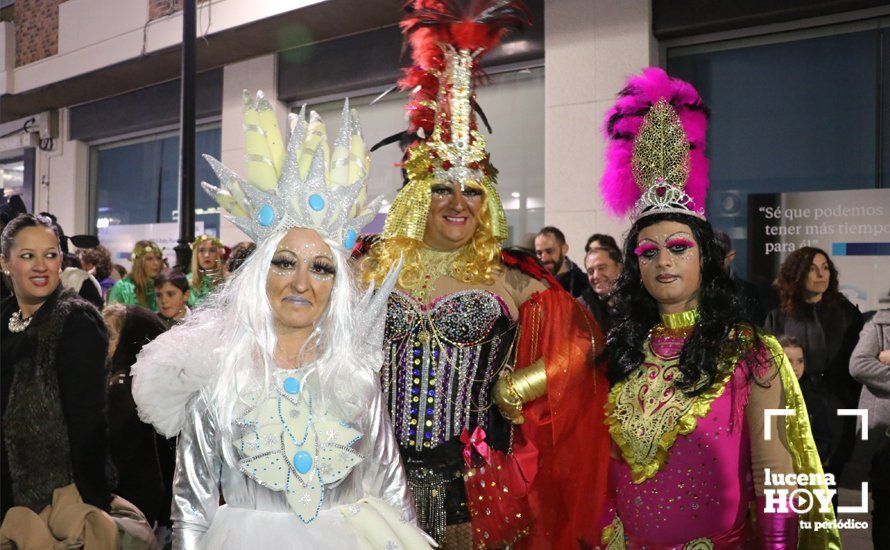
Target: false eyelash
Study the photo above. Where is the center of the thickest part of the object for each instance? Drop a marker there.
(283, 263)
(643, 248)
(324, 268)
(680, 241)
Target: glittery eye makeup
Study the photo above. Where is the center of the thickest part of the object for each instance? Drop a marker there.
(471, 192)
(286, 262)
(645, 250)
(679, 245)
(283, 264)
(446, 190)
(322, 269)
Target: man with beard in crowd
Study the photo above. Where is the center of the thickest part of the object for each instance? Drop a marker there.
(551, 249)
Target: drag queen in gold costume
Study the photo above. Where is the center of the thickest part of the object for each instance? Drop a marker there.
(471, 329)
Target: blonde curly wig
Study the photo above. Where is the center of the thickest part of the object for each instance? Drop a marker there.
(477, 263)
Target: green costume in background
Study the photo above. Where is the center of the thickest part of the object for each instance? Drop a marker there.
(197, 295)
(124, 292)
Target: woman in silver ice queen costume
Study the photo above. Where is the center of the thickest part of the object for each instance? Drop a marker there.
(272, 385)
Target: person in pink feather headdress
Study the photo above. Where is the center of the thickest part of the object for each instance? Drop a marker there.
(690, 378)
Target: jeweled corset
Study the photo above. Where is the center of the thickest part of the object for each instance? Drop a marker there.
(442, 360)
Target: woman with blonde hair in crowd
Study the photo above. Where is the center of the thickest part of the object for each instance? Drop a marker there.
(206, 267)
(137, 287)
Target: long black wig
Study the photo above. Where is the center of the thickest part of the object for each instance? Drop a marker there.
(720, 310)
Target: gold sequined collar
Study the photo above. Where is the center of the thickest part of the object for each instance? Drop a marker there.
(684, 319)
(437, 262)
(434, 264)
(434, 255)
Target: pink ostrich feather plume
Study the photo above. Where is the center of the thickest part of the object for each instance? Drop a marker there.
(623, 122)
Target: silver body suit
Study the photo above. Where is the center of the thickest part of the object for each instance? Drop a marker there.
(253, 512)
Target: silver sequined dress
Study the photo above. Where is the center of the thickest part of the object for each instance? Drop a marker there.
(254, 516)
(304, 471)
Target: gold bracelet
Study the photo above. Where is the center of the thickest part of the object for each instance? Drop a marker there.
(530, 382)
(516, 398)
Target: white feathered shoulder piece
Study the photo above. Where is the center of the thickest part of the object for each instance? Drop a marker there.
(171, 369)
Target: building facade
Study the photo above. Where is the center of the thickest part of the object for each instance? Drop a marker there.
(89, 99)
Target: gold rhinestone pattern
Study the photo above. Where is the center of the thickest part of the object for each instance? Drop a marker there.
(661, 149)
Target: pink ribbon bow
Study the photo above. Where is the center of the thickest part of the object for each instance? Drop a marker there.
(475, 441)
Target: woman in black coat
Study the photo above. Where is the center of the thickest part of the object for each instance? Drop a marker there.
(827, 324)
(52, 378)
(132, 442)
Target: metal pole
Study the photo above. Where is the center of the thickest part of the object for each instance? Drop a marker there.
(187, 138)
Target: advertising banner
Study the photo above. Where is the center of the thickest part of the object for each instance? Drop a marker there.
(852, 226)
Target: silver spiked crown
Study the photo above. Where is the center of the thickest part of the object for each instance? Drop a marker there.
(305, 185)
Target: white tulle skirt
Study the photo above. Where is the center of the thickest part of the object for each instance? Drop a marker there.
(367, 525)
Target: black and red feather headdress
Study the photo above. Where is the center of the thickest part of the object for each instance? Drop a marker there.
(475, 26)
(447, 40)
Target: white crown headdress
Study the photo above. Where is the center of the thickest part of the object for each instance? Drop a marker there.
(305, 185)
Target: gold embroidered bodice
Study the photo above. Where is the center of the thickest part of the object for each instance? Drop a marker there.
(647, 411)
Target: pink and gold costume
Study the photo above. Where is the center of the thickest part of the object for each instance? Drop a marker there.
(691, 467)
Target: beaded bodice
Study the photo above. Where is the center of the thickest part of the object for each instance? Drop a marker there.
(442, 360)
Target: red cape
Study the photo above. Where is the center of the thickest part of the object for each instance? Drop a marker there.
(564, 437)
(563, 447)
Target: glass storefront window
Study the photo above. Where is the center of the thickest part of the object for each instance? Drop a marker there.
(788, 115)
(135, 185)
(12, 177)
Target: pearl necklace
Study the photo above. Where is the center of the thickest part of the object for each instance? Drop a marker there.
(17, 324)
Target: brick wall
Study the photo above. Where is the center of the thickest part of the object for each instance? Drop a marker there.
(36, 30)
(161, 8)
(37, 26)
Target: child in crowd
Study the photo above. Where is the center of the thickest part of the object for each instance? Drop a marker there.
(794, 350)
(172, 290)
(821, 413)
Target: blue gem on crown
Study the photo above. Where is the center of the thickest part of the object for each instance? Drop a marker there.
(317, 188)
